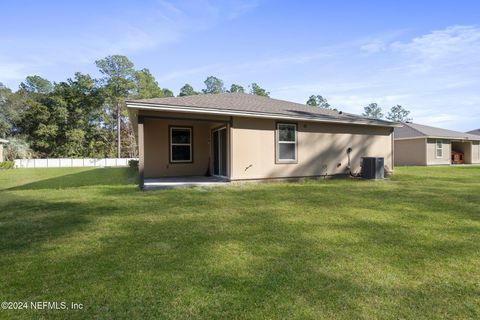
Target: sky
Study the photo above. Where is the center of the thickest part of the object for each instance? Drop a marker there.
(423, 55)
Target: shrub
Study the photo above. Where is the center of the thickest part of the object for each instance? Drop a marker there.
(133, 164)
(7, 165)
(17, 148)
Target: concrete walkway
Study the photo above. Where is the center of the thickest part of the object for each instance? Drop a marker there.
(184, 182)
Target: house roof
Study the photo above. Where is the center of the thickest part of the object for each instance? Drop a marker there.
(414, 130)
(3, 141)
(476, 132)
(243, 104)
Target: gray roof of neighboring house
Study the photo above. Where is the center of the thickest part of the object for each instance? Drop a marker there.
(414, 130)
(476, 132)
(254, 106)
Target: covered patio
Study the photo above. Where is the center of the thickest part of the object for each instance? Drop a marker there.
(182, 150)
(461, 149)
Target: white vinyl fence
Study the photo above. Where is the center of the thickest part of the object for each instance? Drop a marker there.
(72, 163)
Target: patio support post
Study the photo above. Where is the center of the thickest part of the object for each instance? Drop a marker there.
(141, 153)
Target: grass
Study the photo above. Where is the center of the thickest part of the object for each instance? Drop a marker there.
(404, 248)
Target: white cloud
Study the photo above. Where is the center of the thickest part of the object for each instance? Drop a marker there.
(374, 46)
(187, 73)
(441, 44)
(240, 7)
(125, 32)
(10, 71)
(435, 75)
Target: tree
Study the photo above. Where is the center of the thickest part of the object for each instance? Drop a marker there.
(4, 92)
(41, 124)
(12, 107)
(167, 92)
(187, 90)
(38, 119)
(5, 111)
(373, 111)
(69, 121)
(312, 101)
(399, 114)
(36, 84)
(236, 88)
(257, 90)
(145, 85)
(17, 148)
(213, 85)
(84, 131)
(318, 101)
(119, 81)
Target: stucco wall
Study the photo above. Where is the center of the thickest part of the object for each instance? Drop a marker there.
(157, 142)
(321, 148)
(157, 162)
(410, 152)
(476, 152)
(431, 153)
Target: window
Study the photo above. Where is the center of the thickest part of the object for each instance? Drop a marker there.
(439, 148)
(180, 144)
(286, 142)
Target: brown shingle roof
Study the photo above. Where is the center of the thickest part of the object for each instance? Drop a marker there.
(256, 105)
(475, 132)
(414, 130)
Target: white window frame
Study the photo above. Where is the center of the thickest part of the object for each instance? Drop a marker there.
(190, 160)
(437, 148)
(278, 142)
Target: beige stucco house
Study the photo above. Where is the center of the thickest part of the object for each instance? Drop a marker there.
(421, 145)
(2, 142)
(241, 136)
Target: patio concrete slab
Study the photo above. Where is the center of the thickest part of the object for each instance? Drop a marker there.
(184, 182)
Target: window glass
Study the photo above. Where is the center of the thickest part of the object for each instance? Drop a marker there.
(286, 132)
(180, 144)
(180, 153)
(286, 142)
(286, 151)
(180, 135)
(439, 148)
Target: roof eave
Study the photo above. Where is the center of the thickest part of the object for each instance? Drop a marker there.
(203, 110)
(440, 137)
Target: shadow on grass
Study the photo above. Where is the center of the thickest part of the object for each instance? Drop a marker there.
(303, 250)
(190, 275)
(184, 258)
(26, 223)
(93, 177)
(260, 265)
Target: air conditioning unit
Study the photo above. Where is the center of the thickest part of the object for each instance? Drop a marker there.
(372, 168)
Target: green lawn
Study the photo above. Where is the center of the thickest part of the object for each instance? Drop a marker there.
(404, 248)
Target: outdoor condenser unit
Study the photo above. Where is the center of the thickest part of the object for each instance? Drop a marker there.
(372, 168)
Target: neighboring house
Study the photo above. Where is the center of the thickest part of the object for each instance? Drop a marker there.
(2, 142)
(476, 132)
(421, 145)
(241, 136)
